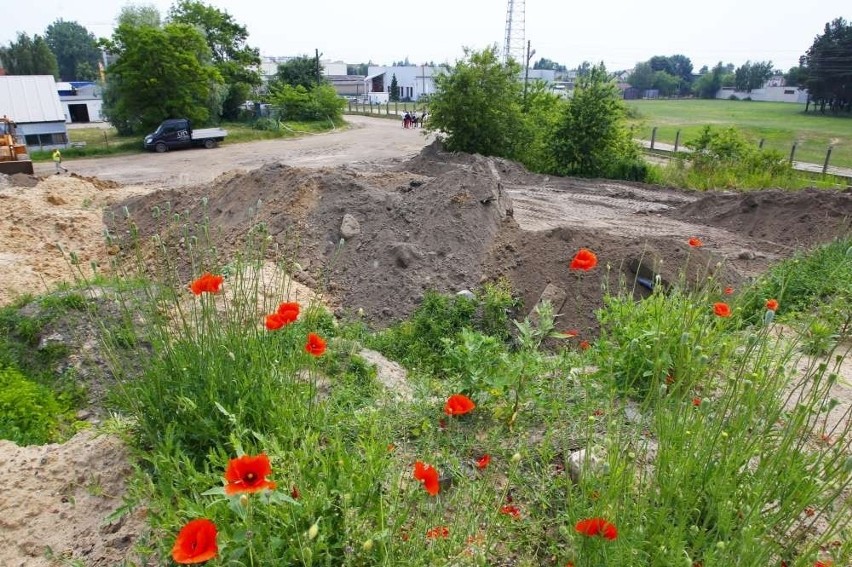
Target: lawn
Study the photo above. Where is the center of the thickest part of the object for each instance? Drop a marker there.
(779, 124)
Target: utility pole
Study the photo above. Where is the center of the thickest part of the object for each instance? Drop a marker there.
(319, 77)
(527, 71)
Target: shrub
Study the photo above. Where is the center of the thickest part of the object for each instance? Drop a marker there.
(299, 103)
(28, 411)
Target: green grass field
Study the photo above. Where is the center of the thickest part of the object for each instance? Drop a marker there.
(778, 123)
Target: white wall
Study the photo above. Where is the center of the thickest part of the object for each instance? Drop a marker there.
(767, 94)
(413, 80)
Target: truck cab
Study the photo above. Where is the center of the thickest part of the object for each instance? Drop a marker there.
(176, 133)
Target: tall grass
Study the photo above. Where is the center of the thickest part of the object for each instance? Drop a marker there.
(692, 436)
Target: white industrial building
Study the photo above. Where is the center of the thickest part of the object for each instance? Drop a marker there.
(32, 102)
(767, 94)
(413, 81)
(81, 101)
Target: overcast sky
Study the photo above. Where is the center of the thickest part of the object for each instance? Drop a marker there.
(618, 32)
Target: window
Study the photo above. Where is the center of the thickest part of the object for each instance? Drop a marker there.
(789, 91)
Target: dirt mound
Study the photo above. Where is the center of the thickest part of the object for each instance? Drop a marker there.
(792, 218)
(57, 499)
(440, 221)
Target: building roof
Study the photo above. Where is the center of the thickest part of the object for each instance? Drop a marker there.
(30, 98)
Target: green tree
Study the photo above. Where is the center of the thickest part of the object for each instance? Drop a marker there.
(136, 16)
(750, 76)
(299, 103)
(235, 61)
(394, 89)
(75, 48)
(591, 137)
(305, 71)
(358, 69)
(478, 105)
(642, 77)
(828, 68)
(709, 83)
(147, 84)
(796, 76)
(666, 83)
(548, 64)
(27, 56)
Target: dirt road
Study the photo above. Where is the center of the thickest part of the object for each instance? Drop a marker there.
(367, 140)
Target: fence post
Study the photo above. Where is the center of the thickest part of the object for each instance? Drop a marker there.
(653, 136)
(792, 152)
(827, 157)
(677, 140)
(106, 140)
(760, 145)
(396, 107)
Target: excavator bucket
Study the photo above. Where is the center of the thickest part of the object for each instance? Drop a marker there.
(12, 167)
(13, 156)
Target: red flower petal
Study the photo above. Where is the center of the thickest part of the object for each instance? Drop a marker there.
(289, 311)
(721, 309)
(483, 462)
(695, 242)
(458, 404)
(315, 345)
(772, 304)
(596, 526)
(511, 510)
(428, 475)
(274, 322)
(196, 542)
(584, 260)
(438, 532)
(248, 474)
(207, 283)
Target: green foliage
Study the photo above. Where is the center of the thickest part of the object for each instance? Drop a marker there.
(591, 136)
(724, 158)
(750, 76)
(477, 106)
(829, 84)
(642, 76)
(76, 50)
(543, 109)
(822, 276)
(236, 62)
(668, 335)
(28, 411)
(141, 15)
(148, 84)
(709, 83)
(394, 89)
(26, 56)
(298, 103)
(301, 71)
(420, 342)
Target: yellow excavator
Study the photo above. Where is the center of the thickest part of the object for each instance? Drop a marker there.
(13, 155)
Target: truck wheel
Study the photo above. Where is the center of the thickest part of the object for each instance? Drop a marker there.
(161, 148)
(209, 144)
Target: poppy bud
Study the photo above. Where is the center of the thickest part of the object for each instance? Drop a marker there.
(368, 545)
(244, 500)
(516, 458)
(313, 531)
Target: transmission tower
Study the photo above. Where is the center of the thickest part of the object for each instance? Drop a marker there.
(513, 45)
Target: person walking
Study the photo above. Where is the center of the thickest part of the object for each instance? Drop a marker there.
(57, 159)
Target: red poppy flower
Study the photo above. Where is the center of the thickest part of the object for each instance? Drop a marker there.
(596, 526)
(428, 475)
(294, 493)
(823, 563)
(458, 404)
(584, 345)
(315, 344)
(438, 532)
(772, 304)
(728, 291)
(584, 260)
(695, 242)
(274, 322)
(289, 311)
(511, 510)
(483, 462)
(207, 283)
(196, 542)
(696, 402)
(721, 309)
(248, 474)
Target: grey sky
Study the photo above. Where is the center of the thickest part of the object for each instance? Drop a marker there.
(618, 32)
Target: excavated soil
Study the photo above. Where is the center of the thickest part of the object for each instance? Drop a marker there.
(450, 222)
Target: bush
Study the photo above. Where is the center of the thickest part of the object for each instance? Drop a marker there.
(28, 411)
(591, 137)
(299, 103)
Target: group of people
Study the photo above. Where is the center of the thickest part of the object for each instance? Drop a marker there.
(412, 119)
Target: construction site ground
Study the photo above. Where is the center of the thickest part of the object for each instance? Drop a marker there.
(423, 219)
